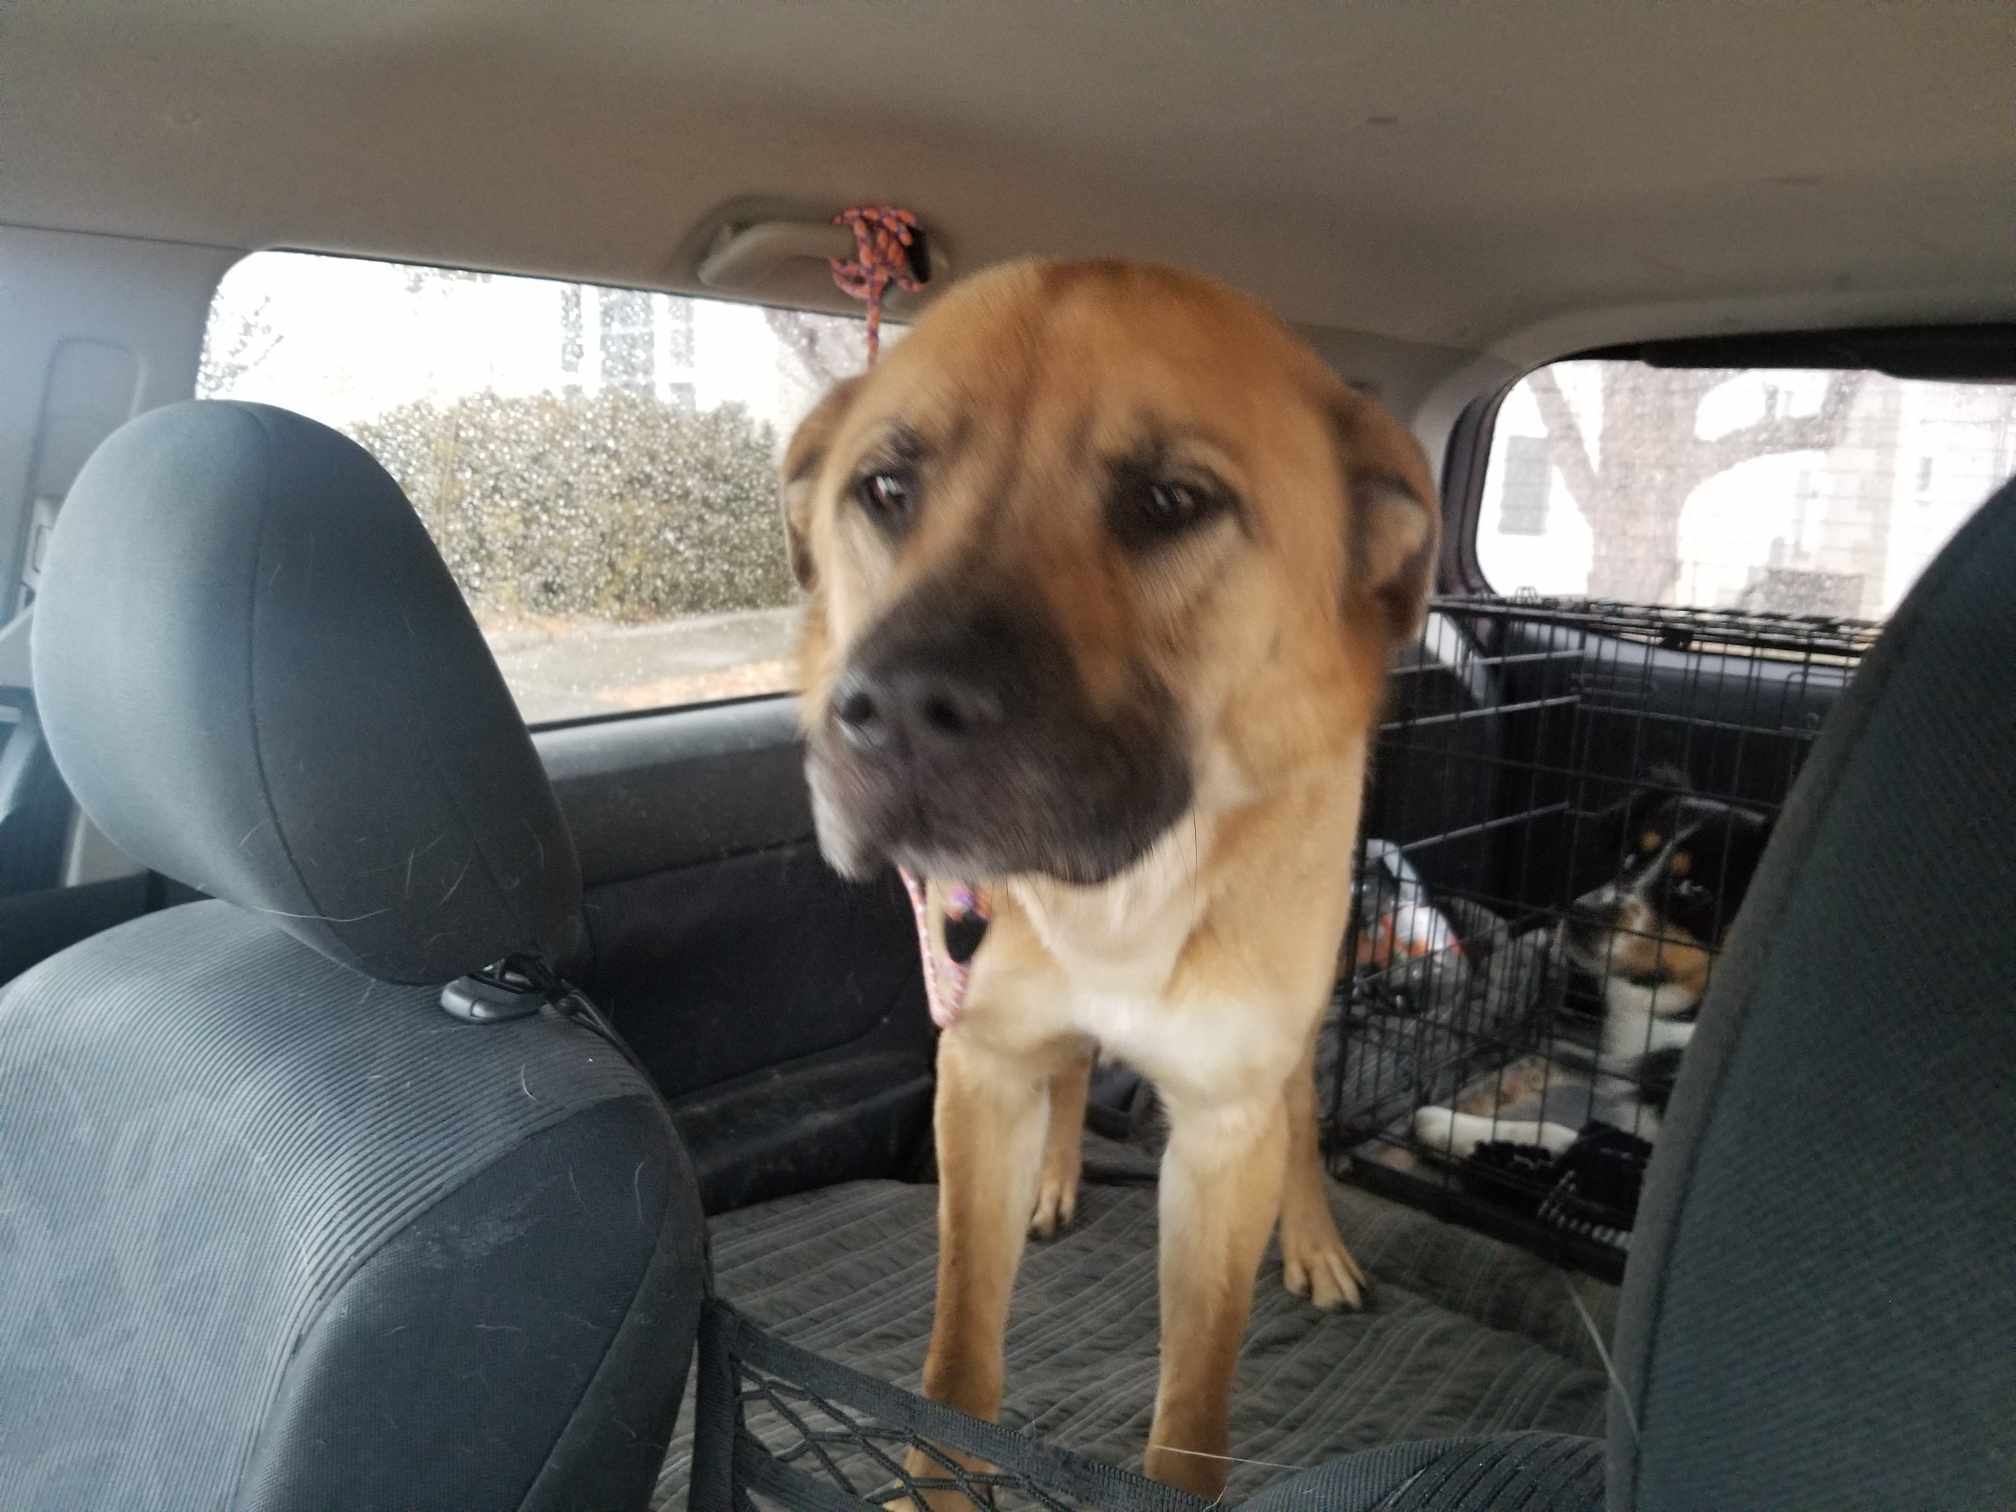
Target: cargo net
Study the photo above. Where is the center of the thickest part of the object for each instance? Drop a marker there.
(1565, 808)
(777, 1427)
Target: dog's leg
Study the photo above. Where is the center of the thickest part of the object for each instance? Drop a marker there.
(1456, 1136)
(990, 1123)
(1220, 1194)
(1063, 1153)
(1314, 1260)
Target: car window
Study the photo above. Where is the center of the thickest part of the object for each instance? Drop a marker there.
(597, 465)
(1773, 491)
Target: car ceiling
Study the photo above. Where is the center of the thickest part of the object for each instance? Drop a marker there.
(1433, 170)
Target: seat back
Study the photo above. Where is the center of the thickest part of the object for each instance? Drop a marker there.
(284, 1237)
(276, 1231)
(1820, 1307)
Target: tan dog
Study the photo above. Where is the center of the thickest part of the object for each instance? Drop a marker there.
(1105, 567)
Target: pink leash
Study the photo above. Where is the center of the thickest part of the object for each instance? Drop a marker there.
(883, 236)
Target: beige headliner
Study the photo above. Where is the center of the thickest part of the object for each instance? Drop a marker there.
(1438, 171)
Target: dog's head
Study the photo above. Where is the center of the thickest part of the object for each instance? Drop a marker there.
(1685, 868)
(1096, 544)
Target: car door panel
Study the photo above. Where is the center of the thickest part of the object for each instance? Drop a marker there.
(779, 1008)
(655, 792)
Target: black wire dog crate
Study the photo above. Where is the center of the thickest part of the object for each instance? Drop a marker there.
(1564, 805)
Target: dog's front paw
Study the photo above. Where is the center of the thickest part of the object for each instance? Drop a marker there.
(1056, 1197)
(1315, 1263)
(1435, 1128)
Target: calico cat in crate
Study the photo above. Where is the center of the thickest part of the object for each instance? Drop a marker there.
(1645, 942)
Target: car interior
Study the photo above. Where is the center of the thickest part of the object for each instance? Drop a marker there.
(438, 1068)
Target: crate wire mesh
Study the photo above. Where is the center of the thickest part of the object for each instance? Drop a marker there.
(1522, 736)
(776, 1426)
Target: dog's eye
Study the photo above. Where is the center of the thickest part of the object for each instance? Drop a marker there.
(1168, 505)
(887, 496)
(1148, 509)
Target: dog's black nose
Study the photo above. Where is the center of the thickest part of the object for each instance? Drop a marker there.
(913, 707)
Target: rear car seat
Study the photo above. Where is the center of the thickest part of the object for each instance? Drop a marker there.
(1463, 1336)
(1818, 1310)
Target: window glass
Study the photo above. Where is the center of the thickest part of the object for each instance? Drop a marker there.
(597, 465)
(1773, 491)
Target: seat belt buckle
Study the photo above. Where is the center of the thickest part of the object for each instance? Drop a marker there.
(494, 995)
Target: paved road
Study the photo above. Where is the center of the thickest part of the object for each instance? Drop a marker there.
(565, 670)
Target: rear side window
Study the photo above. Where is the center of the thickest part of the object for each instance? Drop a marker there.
(1772, 491)
(597, 465)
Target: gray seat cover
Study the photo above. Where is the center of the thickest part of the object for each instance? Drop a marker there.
(1820, 1309)
(275, 1231)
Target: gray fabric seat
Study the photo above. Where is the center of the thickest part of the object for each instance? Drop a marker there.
(1820, 1310)
(1465, 1336)
(275, 1230)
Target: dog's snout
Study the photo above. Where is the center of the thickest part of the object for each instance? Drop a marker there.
(914, 708)
(858, 712)
(1594, 913)
(960, 735)
(1599, 911)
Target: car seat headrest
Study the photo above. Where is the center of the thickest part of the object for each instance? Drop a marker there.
(258, 677)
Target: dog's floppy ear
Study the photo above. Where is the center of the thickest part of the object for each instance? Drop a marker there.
(802, 460)
(1660, 785)
(1621, 822)
(1393, 513)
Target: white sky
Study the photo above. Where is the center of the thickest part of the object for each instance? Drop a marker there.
(1731, 521)
(354, 339)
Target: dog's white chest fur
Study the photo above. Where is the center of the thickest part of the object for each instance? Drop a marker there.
(1121, 942)
(1119, 949)
(1634, 1026)
(1127, 935)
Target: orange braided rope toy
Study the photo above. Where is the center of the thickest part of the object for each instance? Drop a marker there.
(883, 236)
